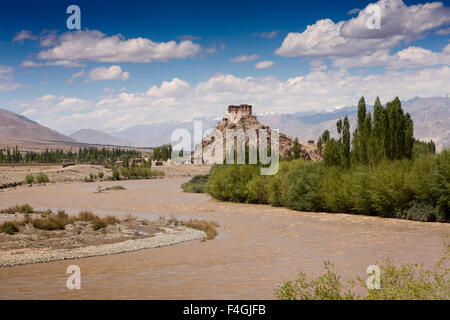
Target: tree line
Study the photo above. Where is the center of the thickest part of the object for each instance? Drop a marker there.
(389, 134)
(14, 155)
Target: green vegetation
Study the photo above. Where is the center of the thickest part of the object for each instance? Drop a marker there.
(162, 153)
(42, 178)
(52, 221)
(9, 227)
(113, 188)
(101, 175)
(209, 227)
(90, 154)
(386, 135)
(383, 172)
(197, 184)
(412, 189)
(405, 282)
(29, 179)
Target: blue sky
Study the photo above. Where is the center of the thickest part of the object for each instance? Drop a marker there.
(146, 61)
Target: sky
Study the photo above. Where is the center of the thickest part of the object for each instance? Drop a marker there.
(143, 62)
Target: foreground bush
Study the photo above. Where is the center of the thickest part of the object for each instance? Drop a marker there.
(416, 189)
(42, 178)
(8, 227)
(197, 184)
(405, 282)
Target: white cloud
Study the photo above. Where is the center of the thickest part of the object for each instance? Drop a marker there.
(24, 35)
(267, 35)
(353, 11)
(30, 63)
(92, 45)
(411, 57)
(75, 75)
(264, 64)
(177, 100)
(111, 73)
(443, 32)
(7, 82)
(245, 58)
(352, 37)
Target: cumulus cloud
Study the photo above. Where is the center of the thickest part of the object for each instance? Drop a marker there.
(353, 38)
(111, 73)
(411, 57)
(177, 100)
(264, 64)
(245, 58)
(24, 35)
(92, 45)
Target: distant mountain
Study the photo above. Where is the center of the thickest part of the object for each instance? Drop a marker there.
(16, 126)
(431, 118)
(98, 137)
(431, 121)
(152, 135)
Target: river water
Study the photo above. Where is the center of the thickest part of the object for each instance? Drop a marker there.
(258, 246)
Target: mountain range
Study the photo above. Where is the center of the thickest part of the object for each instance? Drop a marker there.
(431, 118)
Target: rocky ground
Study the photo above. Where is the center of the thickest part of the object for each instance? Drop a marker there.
(56, 173)
(79, 239)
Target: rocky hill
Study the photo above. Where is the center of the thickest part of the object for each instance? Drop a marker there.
(240, 117)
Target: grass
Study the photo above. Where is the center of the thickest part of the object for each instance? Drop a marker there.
(197, 184)
(209, 227)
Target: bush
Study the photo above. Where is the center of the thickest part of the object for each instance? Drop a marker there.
(101, 175)
(29, 179)
(115, 174)
(8, 227)
(42, 178)
(25, 208)
(416, 189)
(87, 216)
(197, 184)
(208, 227)
(124, 172)
(405, 282)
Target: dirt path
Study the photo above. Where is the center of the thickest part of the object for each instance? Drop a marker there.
(257, 248)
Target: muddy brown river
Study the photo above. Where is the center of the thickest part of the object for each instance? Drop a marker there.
(258, 247)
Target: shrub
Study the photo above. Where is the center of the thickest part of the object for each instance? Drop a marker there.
(101, 175)
(124, 172)
(197, 184)
(29, 179)
(87, 216)
(208, 227)
(42, 178)
(110, 220)
(97, 225)
(405, 282)
(8, 227)
(25, 208)
(115, 174)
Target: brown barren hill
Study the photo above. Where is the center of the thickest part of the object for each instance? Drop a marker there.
(16, 126)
